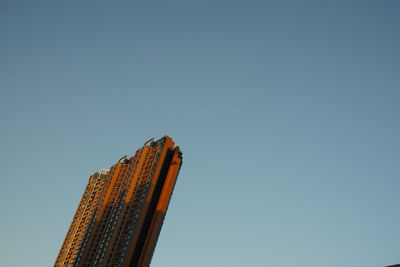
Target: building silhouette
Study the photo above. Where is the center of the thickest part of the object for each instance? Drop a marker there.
(121, 212)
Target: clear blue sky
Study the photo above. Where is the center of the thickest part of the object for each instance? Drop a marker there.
(287, 114)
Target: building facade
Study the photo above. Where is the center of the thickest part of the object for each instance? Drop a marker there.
(119, 218)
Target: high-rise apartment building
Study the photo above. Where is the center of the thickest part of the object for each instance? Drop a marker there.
(119, 218)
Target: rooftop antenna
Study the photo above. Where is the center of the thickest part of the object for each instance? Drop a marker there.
(122, 158)
(151, 139)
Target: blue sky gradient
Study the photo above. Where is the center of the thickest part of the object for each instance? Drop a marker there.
(287, 113)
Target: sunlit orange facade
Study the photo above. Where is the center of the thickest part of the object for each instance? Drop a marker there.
(119, 218)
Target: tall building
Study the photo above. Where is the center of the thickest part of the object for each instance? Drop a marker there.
(121, 212)
(83, 218)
